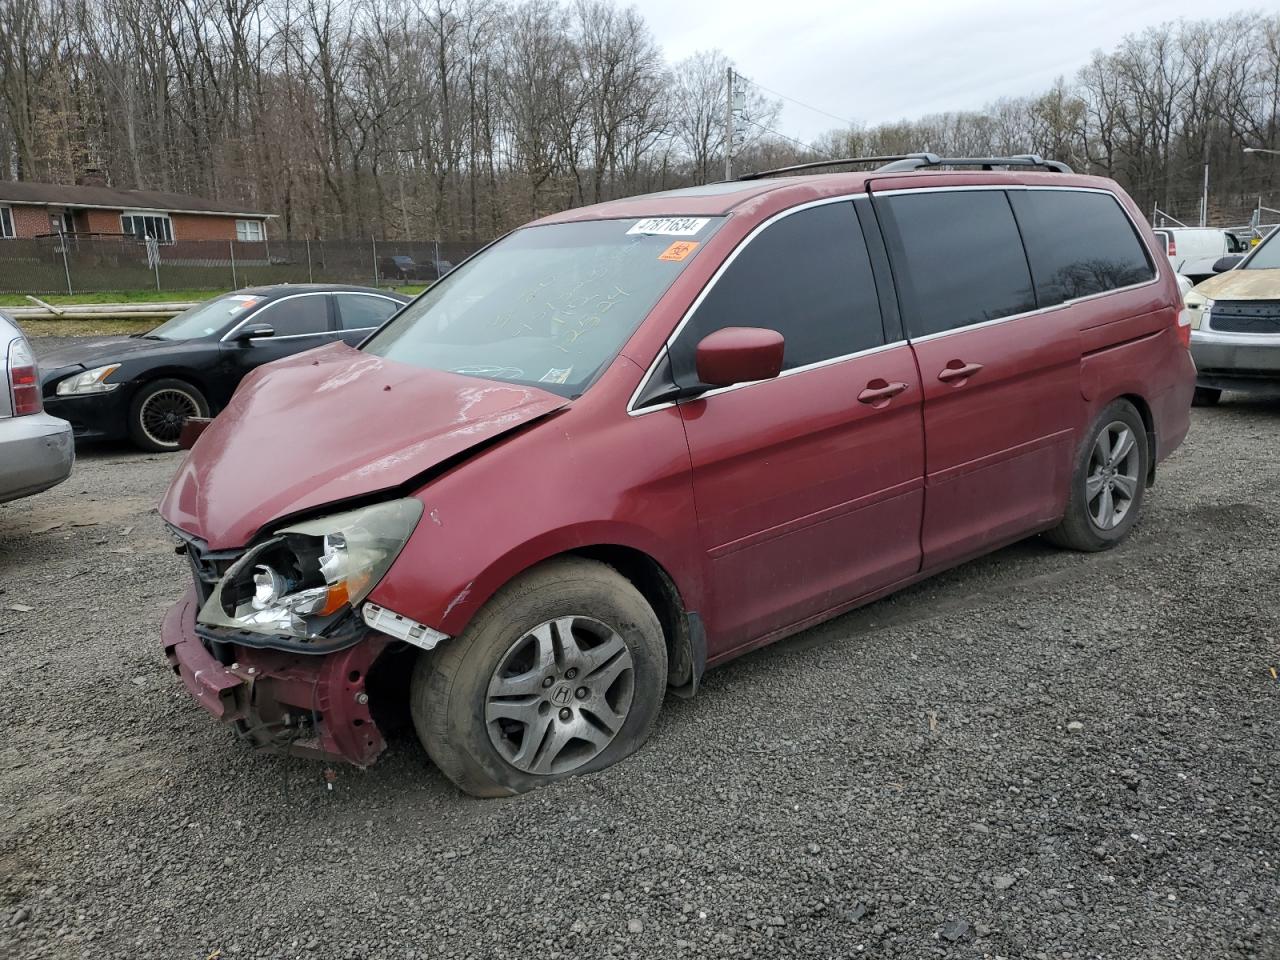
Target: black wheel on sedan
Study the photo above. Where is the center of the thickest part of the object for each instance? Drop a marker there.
(562, 672)
(1108, 482)
(160, 409)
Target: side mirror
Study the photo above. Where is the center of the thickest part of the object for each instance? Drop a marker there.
(1223, 264)
(739, 355)
(252, 331)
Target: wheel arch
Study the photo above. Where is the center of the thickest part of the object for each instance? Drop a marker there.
(669, 592)
(185, 374)
(681, 628)
(1140, 404)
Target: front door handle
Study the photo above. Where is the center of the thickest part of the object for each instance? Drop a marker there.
(879, 392)
(958, 370)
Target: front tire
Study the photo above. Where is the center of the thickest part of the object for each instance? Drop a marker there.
(160, 409)
(561, 673)
(1108, 482)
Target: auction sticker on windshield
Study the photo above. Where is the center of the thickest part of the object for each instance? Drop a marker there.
(670, 226)
(678, 250)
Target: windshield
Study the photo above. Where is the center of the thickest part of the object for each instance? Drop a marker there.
(546, 306)
(1267, 256)
(206, 319)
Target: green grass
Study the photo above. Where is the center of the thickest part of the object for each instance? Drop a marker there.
(111, 296)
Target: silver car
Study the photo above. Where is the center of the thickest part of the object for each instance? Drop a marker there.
(1235, 325)
(36, 450)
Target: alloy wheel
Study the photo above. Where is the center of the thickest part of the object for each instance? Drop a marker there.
(560, 695)
(1111, 484)
(163, 414)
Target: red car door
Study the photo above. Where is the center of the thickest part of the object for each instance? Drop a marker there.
(808, 488)
(1001, 379)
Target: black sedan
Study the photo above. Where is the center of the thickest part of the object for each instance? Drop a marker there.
(145, 386)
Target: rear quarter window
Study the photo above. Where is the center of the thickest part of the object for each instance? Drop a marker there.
(1079, 244)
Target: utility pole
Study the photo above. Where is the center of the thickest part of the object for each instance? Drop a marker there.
(728, 124)
(1204, 199)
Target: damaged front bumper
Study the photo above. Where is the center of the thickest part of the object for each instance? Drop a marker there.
(309, 705)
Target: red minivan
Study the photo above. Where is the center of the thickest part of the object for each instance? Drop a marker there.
(634, 440)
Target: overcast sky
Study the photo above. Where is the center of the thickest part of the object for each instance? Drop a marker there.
(877, 61)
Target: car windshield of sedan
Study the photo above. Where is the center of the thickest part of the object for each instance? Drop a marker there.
(205, 319)
(1267, 256)
(548, 306)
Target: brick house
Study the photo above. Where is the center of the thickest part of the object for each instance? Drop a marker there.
(91, 208)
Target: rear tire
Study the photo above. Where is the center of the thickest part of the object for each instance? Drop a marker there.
(1206, 397)
(1108, 482)
(569, 648)
(159, 410)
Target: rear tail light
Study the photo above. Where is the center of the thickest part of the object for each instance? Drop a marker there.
(1183, 329)
(24, 381)
(1173, 247)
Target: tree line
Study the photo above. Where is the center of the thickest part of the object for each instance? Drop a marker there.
(459, 119)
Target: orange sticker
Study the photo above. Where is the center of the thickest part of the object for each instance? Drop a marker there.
(678, 250)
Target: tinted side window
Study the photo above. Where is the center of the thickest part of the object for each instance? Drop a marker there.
(1079, 244)
(808, 276)
(957, 257)
(296, 315)
(358, 310)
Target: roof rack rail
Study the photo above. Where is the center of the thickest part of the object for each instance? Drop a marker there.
(841, 162)
(923, 160)
(919, 161)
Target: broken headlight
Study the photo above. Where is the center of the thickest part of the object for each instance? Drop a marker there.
(307, 576)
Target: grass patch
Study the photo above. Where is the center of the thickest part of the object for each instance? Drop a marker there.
(111, 296)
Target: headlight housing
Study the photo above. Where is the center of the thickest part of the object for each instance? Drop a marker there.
(306, 577)
(1198, 308)
(91, 381)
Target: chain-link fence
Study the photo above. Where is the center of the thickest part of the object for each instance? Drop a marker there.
(99, 265)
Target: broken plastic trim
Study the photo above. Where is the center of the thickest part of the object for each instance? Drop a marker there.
(401, 627)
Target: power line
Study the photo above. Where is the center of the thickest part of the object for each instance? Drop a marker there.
(808, 106)
(802, 145)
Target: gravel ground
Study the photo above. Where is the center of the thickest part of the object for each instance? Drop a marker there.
(1040, 754)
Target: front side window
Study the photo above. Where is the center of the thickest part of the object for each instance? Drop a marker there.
(6, 223)
(249, 231)
(1266, 256)
(1079, 244)
(807, 276)
(294, 316)
(359, 311)
(548, 306)
(144, 225)
(958, 259)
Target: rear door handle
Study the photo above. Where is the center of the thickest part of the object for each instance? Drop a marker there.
(879, 391)
(958, 370)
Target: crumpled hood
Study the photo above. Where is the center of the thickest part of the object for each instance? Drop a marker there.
(329, 425)
(1242, 285)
